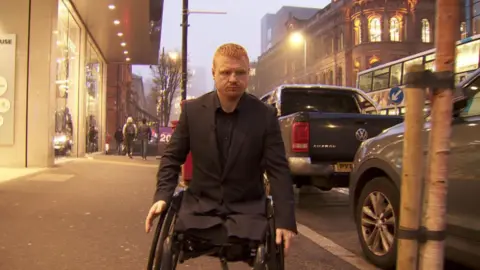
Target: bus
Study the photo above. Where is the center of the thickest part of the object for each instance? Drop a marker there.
(378, 81)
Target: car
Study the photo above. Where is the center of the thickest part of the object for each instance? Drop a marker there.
(322, 127)
(376, 177)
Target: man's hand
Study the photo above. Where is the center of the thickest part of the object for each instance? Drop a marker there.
(156, 209)
(286, 235)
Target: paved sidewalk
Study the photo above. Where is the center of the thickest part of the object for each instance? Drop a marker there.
(89, 214)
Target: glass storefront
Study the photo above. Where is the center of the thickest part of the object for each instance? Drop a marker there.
(68, 54)
(93, 73)
(79, 87)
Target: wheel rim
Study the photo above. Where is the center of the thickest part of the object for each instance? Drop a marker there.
(378, 223)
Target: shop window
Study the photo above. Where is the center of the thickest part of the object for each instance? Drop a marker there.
(93, 82)
(426, 35)
(375, 29)
(394, 29)
(67, 74)
(357, 28)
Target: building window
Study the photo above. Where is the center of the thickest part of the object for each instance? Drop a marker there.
(269, 34)
(463, 30)
(339, 76)
(375, 30)
(425, 31)
(394, 29)
(340, 42)
(357, 28)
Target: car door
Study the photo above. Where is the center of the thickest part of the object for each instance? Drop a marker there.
(463, 214)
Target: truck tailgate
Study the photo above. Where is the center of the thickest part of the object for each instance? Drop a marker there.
(335, 137)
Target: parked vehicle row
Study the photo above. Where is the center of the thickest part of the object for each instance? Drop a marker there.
(375, 184)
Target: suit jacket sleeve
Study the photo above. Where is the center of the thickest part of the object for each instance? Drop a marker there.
(278, 173)
(174, 156)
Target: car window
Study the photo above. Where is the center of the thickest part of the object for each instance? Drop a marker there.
(318, 100)
(365, 105)
(473, 104)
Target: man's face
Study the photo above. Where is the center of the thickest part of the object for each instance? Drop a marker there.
(231, 76)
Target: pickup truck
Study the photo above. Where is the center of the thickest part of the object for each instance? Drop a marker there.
(322, 127)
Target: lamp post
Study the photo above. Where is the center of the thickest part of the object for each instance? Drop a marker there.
(298, 38)
(185, 13)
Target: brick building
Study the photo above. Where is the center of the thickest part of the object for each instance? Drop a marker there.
(346, 37)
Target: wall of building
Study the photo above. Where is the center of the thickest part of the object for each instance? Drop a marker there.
(40, 74)
(335, 53)
(119, 80)
(14, 19)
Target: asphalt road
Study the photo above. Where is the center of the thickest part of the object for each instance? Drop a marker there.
(89, 214)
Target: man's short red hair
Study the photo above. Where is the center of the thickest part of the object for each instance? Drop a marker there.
(231, 50)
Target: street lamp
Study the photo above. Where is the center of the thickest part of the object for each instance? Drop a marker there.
(173, 55)
(185, 12)
(297, 38)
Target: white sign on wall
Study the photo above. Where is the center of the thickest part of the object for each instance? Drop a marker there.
(7, 88)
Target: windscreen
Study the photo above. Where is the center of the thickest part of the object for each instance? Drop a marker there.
(318, 100)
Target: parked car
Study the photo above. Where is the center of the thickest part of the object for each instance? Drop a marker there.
(375, 184)
(322, 127)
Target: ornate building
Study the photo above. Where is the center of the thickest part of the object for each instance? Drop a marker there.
(345, 37)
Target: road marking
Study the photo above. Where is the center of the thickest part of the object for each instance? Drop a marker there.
(337, 250)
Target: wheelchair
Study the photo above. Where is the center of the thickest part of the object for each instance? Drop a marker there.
(170, 247)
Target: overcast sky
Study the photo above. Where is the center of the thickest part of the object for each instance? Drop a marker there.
(241, 24)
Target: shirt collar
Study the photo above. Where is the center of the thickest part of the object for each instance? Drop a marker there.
(217, 104)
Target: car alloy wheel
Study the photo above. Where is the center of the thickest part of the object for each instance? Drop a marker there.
(378, 223)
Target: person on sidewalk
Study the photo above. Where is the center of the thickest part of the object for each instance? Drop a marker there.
(233, 138)
(129, 134)
(144, 135)
(119, 140)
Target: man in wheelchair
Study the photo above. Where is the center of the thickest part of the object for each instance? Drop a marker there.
(234, 138)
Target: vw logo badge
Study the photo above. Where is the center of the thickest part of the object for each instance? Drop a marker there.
(361, 134)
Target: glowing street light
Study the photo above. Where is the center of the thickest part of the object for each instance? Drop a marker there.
(173, 55)
(298, 38)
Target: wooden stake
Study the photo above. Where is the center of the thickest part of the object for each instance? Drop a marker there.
(434, 219)
(413, 165)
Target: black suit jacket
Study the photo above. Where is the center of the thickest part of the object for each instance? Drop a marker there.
(256, 147)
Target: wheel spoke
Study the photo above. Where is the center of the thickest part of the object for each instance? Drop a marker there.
(377, 239)
(373, 200)
(384, 240)
(366, 221)
(367, 211)
(390, 221)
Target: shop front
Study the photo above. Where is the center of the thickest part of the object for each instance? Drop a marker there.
(54, 56)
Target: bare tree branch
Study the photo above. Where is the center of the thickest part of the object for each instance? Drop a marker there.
(166, 78)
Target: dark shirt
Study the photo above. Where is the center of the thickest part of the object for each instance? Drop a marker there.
(224, 126)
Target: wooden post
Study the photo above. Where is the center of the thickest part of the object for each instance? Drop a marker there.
(447, 32)
(411, 185)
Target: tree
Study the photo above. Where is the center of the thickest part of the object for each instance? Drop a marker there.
(166, 78)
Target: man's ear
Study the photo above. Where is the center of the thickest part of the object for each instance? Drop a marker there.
(213, 73)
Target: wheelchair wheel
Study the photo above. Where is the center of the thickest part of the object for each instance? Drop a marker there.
(164, 228)
(275, 253)
(161, 233)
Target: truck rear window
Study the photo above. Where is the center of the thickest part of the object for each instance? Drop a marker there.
(318, 100)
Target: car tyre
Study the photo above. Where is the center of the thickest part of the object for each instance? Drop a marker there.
(384, 191)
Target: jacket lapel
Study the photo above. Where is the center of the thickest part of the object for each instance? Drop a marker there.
(209, 114)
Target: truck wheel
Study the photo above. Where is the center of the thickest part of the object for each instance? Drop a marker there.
(376, 216)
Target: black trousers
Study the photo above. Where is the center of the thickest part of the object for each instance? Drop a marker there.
(206, 239)
(129, 144)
